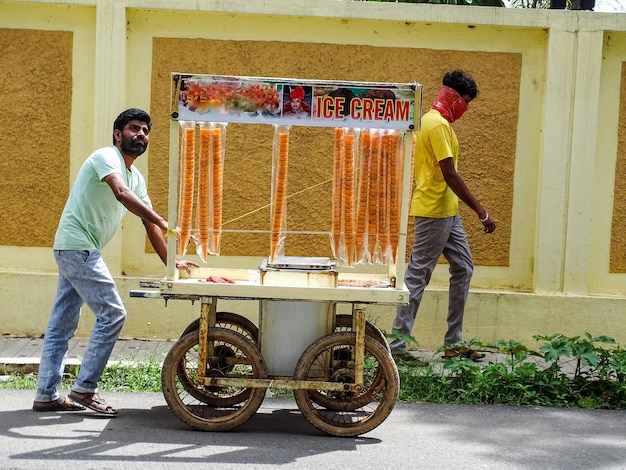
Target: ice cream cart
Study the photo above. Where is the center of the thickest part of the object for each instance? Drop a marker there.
(339, 366)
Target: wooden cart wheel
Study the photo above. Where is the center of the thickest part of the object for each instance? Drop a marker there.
(235, 357)
(330, 358)
(339, 401)
(343, 322)
(231, 321)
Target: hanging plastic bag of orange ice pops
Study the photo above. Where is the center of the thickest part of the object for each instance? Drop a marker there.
(337, 192)
(361, 218)
(204, 191)
(394, 186)
(373, 220)
(343, 232)
(210, 188)
(350, 142)
(278, 222)
(218, 150)
(382, 245)
(187, 154)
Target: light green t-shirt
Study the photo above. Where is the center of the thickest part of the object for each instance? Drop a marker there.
(92, 214)
(435, 141)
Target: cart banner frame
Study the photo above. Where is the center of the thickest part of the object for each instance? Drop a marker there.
(296, 102)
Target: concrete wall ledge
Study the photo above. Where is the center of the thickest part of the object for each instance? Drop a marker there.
(562, 20)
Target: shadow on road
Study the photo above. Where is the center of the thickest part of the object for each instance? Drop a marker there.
(276, 435)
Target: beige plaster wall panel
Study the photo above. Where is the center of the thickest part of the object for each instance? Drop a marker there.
(618, 244)
(35, 124)
(606, 262)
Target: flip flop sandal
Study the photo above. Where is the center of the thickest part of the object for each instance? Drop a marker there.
(60, 404)
(94, 402)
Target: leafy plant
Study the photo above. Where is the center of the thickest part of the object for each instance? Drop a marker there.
(521, 376)
(516, 350)
(583, 349)
(396, 335)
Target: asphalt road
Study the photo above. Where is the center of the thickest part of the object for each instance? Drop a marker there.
(146, 435)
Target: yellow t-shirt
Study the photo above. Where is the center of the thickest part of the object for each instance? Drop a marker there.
(435, 141)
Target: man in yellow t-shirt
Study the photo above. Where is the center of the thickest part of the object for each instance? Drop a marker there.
(438, 227)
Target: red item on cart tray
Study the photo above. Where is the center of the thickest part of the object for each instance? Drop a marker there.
(219, 280)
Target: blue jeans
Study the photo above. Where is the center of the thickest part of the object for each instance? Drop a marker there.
(434, 237)
(83, 279)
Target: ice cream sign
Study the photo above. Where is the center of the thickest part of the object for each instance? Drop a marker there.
(368, 109)
(217, 98)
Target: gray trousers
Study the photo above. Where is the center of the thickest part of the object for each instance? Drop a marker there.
(434, 237)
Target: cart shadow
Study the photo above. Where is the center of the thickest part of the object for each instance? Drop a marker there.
(272, 436)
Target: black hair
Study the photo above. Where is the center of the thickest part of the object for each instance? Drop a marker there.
(461, 82)
(130, 114)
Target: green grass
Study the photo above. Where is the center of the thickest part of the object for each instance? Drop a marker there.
(144, 376)
(19, 381)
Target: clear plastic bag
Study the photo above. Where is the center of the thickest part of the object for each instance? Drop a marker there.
(187, 154)
(280, 162)
(367, 195)
(210, 188)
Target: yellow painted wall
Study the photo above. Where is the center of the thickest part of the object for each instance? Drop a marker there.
(542, 147)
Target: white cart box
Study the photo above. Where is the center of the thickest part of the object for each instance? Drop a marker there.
(288, 328)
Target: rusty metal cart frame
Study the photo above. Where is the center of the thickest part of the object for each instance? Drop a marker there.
(363, 370)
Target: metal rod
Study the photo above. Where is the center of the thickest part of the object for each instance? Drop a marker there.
(404, 210)
(358, 325)
(172, 206)
(288, 384)
(208, 315)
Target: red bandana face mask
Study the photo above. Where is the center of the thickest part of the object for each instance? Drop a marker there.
(450, 104)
